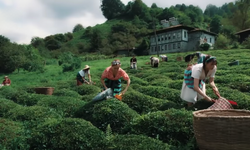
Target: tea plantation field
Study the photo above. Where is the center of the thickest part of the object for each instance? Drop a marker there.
(151, 115)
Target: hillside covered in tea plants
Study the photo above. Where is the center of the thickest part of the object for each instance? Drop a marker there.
(150, 116)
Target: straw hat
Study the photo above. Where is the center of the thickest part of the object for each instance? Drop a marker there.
(86, 67)
(6, 77)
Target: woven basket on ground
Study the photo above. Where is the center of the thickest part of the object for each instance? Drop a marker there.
(222, 129)
(179, 58)
(45, 90)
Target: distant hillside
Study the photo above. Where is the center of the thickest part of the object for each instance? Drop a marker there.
(127, 27)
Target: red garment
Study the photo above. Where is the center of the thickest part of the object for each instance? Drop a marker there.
(108, 73)
(6, 81)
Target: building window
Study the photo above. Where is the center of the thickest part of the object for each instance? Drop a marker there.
(174, 46)
(155, 49)
(174, 36)
(169, 36)
(162, 38)
(166, 47)
(159, 48)
(185, 34)
(179, 35)
(210, 40)
(179, 45)
(169, 46)
(159, 39)
(166, 37)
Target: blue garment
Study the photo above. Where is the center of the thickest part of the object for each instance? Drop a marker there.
(189, 80)
(201, 58)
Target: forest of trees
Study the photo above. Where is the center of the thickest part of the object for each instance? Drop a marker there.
(128, 25)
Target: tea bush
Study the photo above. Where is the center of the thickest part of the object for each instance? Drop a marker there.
(6, 105)
(67, 106)
(70, 84)
(20, 96)
(111, 111)
(142, 103)
(87, 89)
(138, 142)
(68, 133)
(31, 113)
(172, 126)
(66, 92)
(160, 92)
(28, 99)
(136, 80)
(12, 135)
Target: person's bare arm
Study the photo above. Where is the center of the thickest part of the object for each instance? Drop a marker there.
(212, 84)
(103, 83)
(89, 77)
(125, 90)
(198, 90)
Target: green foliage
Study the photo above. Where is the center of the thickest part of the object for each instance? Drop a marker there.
(68, 36)
(112, 9)
(216, 24)
(66, 92)
(87, 89)
(28, 99)
(222, 42)
(110, 111)
(69, 61)
(159, 92)
(12, 135)
(31, 113)
(138, 142)
(36, 42)
(65, 105)
(77, 28)
(67, 134)
(53, 44)
(172, 126)
(6, 105)
(142, 103)
(205, 46)
(246, 43)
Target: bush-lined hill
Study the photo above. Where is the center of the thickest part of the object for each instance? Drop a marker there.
(150, 116)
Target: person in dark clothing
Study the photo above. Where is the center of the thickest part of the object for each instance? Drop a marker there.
(133, 63)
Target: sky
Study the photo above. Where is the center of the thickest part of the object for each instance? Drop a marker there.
(23, 19)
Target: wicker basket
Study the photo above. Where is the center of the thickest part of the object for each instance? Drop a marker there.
(222, 129)
(179, 58)
(45, 90)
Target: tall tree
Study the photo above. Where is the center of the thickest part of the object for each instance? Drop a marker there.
(123, 35)
(241, 16)
(77, 28)
(112, 8)
(215, 24)
(96, 40)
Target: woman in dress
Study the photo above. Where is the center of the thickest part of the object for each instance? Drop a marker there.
(193, 87)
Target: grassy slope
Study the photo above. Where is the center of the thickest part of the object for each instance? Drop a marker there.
(233, 75)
